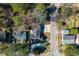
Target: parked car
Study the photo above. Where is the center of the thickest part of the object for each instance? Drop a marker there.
(38, 49)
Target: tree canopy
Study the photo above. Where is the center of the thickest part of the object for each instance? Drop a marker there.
(17, 7)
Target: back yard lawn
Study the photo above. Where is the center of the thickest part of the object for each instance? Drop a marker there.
(73, 31)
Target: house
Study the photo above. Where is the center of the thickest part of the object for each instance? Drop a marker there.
(68, 39)
(45, 30)
(21, 36)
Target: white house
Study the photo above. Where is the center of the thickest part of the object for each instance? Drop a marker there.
(68, 39)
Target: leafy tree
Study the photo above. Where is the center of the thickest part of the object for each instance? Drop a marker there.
(18, 7)
(17, 20)
(66, 11)
(41, 12)
(40, 7)
(22, 7)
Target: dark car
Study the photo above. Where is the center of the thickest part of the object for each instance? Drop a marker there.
(38, 49)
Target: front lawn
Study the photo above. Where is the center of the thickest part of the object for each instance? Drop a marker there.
(71, 50)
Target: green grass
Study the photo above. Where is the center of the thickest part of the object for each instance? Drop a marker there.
(21, 49)
(73, 31)
(8, 51)
(71, 50)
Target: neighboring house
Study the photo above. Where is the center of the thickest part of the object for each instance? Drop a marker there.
(68, 39)
(20, 36)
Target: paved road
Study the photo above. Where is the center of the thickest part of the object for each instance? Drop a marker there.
(54, 41)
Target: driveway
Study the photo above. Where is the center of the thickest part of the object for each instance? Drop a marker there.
(54, 41)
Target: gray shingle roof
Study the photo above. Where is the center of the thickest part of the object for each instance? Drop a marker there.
(68, 39)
